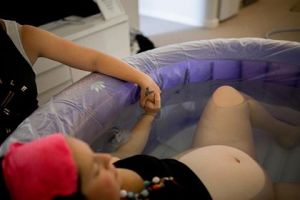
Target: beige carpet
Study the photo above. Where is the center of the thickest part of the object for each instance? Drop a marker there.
(255, 20)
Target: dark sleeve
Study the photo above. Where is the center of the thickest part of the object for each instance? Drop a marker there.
(4, 193)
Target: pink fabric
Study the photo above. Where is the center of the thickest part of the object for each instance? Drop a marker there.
(41, 169)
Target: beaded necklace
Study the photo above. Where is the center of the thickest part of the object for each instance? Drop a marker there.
(149, 186)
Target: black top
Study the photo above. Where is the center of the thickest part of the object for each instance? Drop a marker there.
(4, 194)
(18, 92)
(188, 185)
(35, 12)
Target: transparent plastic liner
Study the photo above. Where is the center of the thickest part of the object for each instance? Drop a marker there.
(174, 127)
(182, 106)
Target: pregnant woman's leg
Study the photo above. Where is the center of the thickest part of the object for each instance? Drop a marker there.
(226, 121)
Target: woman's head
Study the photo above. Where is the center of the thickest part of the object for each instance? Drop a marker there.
(99, 178)
(52, 165)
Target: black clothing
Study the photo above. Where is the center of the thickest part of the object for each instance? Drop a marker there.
(4, 193)
(18, 91)
(188, 185)
(144, 43)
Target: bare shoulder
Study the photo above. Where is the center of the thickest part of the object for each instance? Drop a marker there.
(32, 39)
(29, 32)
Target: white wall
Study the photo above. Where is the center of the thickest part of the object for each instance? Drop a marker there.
(201, 13)
(131, 8)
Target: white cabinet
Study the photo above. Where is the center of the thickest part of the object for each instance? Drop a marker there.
(110, 36)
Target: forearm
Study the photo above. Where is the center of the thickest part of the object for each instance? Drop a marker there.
(139, 137)
(120, 69)
(114, 67)
(79, 57)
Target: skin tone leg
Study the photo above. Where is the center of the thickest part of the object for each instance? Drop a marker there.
(288, 136)
(215, 129)
(223, 118)
(292, 116)
(225, 135)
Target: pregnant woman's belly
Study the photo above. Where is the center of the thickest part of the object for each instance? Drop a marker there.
(229, 173)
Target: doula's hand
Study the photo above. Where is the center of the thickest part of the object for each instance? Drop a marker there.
(152, 108)
(149, 92)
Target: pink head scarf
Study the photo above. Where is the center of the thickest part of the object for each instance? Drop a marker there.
(41, 169)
